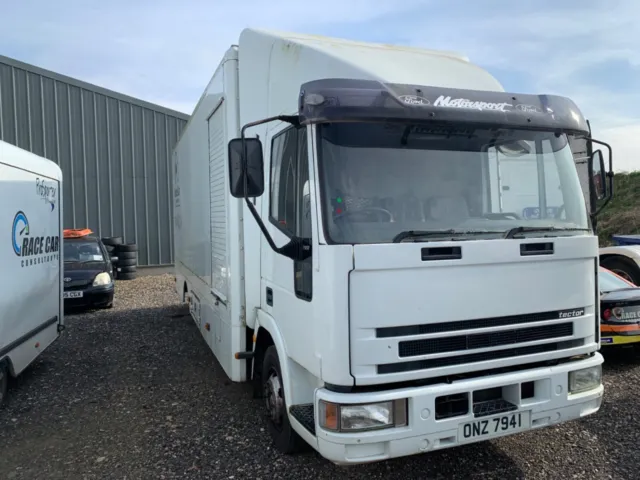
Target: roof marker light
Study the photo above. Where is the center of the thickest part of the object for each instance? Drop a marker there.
(314, 99)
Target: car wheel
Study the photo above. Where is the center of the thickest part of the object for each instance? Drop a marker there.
(4, 381)
(624, 267)
(286, 440)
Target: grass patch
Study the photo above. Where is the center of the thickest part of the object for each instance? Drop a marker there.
(622, 215)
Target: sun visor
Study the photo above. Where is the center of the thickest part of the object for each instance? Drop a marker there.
(338, 99)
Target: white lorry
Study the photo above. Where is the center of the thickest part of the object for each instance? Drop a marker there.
(370, 278)
(31, 309)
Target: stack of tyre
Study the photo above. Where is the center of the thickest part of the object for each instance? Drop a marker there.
(124, 257)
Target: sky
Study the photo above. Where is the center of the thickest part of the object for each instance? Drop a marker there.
(165, 52)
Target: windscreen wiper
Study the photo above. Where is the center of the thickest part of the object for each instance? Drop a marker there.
(432, 233)
(521, 229)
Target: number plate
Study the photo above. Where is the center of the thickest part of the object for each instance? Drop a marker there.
(495, 426)
(72, 295)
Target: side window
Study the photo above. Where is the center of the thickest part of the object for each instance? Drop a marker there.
(290, 206)
(283, 180)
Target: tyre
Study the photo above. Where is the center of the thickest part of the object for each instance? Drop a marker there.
(127, 262)
(112, 241)
(110, 249)
(627, 269)
(4, 381)
(129, 269)
(127, 255)
(127, 247)
(286, 440)
(126, 276)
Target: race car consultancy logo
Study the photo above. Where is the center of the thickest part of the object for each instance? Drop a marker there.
(47, 191)
(414, 100)
(578, 312)
(32, 249)
(465, 103)
(623, 315)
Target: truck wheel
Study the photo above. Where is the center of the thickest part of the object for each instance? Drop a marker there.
(4, 381)
(624, 267)
(286, 440)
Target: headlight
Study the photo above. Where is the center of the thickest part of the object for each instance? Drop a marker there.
(356, 418)
(102, 279)
(585, 379)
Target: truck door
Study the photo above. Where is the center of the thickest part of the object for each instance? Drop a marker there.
(287, 285)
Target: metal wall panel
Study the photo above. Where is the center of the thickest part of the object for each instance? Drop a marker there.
(114, 152)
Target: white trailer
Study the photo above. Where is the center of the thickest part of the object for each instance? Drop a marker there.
(31, 309)
(368, 278)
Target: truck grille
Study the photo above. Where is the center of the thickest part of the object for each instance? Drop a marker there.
(476, 357)
(387, 332)
(507, 343)
(414, 348)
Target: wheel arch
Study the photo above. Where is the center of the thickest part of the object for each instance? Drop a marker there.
(9, 364)
(628, 257)
(620, 251)
(267, 334)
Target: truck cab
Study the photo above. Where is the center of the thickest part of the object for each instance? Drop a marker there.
(417, 265)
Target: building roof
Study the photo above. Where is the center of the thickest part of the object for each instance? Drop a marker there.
(91, 87)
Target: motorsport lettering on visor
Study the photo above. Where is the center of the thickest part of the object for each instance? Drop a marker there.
(443, 101)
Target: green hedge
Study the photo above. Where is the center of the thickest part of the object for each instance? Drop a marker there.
(622, 214)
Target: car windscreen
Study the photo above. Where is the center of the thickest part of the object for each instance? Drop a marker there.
(610, 282)
(82, 251)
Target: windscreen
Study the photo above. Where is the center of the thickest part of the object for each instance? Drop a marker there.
(82, 251)
(379, 180)
(609, 282)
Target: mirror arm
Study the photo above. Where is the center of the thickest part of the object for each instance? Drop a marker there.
(609, 176)
(296, 249)
(262, 226)
(292, 119)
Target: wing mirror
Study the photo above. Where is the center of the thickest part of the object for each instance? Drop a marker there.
(598, 175)
(246, 167)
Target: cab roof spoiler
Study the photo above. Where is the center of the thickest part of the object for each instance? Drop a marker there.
(344, 100)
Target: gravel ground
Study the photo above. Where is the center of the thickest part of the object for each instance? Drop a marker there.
(135, 393)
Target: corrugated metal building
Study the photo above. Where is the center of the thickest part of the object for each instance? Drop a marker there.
(114, 151)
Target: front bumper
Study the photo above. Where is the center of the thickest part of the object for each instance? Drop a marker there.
(611, 334)
(91, 297)
(551, 404)
(608, 339)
